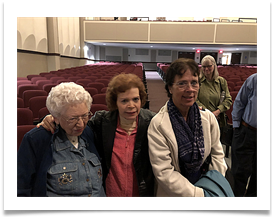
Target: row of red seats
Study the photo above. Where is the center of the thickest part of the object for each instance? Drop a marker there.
(33, 90)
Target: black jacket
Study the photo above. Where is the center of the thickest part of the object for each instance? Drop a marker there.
(104, 124)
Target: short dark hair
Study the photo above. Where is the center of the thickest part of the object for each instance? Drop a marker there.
(179, 67)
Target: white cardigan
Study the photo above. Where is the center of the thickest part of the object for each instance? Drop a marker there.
(163, 153)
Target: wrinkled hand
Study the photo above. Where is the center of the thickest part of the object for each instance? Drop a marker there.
(47, 123)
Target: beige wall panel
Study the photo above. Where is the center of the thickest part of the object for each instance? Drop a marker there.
(165, 32)
(238, 33)
(100, 31)
(182, 32)
(68, 62)
(132, 32)
(31, 64)
(172, 32)
(198, 33)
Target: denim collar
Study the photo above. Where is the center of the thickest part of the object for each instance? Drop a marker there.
(61, 142)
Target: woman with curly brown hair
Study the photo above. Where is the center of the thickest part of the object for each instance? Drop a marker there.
(121, 138)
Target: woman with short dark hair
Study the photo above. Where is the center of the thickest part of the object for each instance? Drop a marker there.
(182, 136)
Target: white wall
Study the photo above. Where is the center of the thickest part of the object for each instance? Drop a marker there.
(89, 51)
(137, 58)
(114, 51)
(118, 51)
(163, 59)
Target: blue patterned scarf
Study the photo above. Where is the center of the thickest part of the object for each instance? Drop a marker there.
(190, 139)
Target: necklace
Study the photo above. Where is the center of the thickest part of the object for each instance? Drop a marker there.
(73, 140)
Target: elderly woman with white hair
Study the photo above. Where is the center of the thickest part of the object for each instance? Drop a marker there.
(65, 163)
(212, 85)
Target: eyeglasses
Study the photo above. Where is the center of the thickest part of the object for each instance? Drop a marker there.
(74, 120)
(209, 66)
(185, 84)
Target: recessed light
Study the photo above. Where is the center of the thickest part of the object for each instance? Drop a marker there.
(151, 46)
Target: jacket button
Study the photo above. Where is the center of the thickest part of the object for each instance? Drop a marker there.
(87, 180)
(83, 164)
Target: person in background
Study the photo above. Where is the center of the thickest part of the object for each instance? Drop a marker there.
(244, 143)
(65, 163)
(212, 85)
(121, 138)
(182, 136)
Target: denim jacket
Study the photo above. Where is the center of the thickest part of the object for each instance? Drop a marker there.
(35, 162)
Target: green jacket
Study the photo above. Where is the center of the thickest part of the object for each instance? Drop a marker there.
(209, 97)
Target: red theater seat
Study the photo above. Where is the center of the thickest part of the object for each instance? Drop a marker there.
(21, 88)
(35, 104)
(98, 107)
(24, 116)
(99, 98)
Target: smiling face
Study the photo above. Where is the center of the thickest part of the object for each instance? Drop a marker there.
(129, 103)
(184, 97)
(208, 69)
(72, 111)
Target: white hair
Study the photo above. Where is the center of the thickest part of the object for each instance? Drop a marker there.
(66, 94)
(209, 59)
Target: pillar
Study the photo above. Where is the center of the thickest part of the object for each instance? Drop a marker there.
(53, 44)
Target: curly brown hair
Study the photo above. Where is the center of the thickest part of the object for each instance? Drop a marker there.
(120, 84)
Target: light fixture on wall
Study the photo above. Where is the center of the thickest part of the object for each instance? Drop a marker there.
(198, 51)
(220, 51)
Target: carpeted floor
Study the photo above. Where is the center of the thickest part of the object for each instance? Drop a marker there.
(156, 91)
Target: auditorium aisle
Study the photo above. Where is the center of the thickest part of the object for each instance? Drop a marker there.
(156, 91)
(158, 97)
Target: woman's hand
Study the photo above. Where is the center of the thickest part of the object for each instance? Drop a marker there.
(216, 113)
(48, 123)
